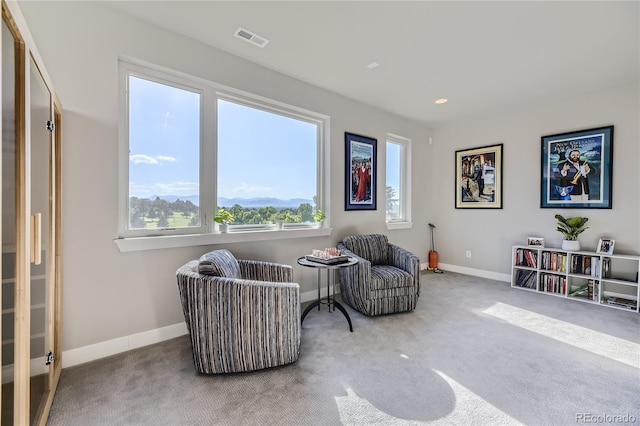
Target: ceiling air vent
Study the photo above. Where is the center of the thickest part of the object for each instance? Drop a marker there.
(252, 38)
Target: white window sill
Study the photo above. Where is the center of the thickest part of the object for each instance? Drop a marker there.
(175, 241)
(399, 225)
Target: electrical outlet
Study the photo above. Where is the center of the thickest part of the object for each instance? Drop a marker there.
(468, 254)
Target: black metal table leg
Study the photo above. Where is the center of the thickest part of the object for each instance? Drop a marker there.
(309, 308)
(344, 312)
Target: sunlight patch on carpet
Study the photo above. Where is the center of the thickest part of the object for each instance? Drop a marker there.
(595, 342)
(470, 409)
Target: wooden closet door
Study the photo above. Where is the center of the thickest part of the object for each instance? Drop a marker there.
(42, 249)
(30, 265)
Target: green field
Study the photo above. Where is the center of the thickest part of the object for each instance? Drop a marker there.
(176, 220)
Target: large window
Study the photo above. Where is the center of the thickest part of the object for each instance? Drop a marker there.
(397, 179)
(164, 155)
(195, 147)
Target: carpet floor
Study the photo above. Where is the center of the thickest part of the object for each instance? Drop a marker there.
(474, 352)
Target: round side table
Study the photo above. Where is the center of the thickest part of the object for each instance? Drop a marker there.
(331, 282)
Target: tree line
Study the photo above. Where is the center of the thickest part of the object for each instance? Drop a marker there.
(159, 213)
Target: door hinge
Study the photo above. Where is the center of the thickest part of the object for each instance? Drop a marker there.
(51, 125)
(48, 359)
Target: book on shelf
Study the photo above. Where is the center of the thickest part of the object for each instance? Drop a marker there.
(592, 289)
(586, 265)
(621, 302)
(576, 260)
(552, 283)
(531, 258)
(606, 267)
(526, 279)
(525, 257)
(580, 291)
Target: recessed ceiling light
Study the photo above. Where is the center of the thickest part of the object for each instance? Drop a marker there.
(373, 65)
(442, 101)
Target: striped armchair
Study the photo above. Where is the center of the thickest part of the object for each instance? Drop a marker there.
(242, 315)
(386, 278)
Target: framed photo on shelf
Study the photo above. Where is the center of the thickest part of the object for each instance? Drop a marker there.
(605, 245)
(360, 172)
(479, 178)
(535, 241)
(576, 169)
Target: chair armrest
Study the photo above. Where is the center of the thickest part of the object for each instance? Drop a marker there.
(403, 259)
(358, 276)
(265, 271)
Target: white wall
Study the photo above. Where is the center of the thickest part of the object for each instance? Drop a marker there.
(489, 234)
(108, 294)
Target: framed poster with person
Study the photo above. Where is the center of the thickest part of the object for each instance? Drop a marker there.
(576, 169)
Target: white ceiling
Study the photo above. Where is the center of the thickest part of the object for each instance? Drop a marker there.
(479, 54)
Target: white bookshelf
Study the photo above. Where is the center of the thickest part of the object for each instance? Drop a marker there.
(605, 279)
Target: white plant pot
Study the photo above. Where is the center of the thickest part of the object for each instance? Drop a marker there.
(279, 224)
(223, 227)
(571, 245)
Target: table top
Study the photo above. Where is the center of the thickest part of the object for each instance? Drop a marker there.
(311, 264)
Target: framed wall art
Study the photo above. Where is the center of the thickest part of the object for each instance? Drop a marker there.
(576, 169)
(479, 178)
(360, 172)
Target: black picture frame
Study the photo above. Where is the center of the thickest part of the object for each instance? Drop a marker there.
(585, 184)
(360, 172)
(479, 177)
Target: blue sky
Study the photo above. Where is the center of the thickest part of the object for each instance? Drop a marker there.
(281, 146)
(393, 166)
(256, 149)
(163, 140)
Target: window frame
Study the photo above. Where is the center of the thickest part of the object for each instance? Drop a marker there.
(210, 92)
(404, 192)
(289, 112)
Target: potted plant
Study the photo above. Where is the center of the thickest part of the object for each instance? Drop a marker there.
(223, 218)
(319, 217)
(571, 227)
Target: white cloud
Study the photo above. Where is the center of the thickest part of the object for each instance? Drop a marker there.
(148, 159)
(142, 159)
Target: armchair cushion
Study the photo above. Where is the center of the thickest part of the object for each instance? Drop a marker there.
(219, 263)
(387, 276)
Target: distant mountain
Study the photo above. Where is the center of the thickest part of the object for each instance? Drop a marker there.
(195, 199)
(256, 202)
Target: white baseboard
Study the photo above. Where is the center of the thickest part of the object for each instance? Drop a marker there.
(122, 344)
(475, 272)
